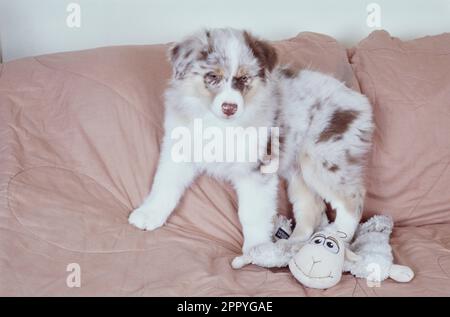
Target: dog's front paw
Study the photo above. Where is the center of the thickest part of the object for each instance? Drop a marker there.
(146, 219)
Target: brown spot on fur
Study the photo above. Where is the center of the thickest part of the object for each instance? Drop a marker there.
(312, 111)
(331, 167)
(268, 155)
(350, 158)
(186, 55)
(263, 51)
(269, 147)
(316, 106)
(174, 52)
(288, 72)
(203, 56)
(363, 140)
(364, 136)
(359, 211)
(281, 141)
(338, 125)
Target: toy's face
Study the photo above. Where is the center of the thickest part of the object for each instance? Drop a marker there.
(319, 263)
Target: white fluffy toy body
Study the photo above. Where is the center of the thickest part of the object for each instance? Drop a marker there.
(319, 262)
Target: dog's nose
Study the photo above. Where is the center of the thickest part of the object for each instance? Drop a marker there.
(229, 109)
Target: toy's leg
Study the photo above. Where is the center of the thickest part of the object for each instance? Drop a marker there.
(308, 207)
(170, 182)
(257, 195)
(241, 261)
(401, 273)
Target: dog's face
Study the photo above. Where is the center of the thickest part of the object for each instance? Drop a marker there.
(222, 69)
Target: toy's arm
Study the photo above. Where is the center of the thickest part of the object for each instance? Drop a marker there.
(401, 273)
(276, 254)
(372, 245)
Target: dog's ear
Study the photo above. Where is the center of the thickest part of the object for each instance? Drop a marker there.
(263, 51)
(183, 54)
(179, 55)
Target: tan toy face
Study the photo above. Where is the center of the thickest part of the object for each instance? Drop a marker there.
(319, 263)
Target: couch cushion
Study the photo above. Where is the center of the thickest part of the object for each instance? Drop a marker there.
(408, 83)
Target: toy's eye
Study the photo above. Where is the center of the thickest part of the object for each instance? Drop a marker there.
(331, 245)
(317, 240)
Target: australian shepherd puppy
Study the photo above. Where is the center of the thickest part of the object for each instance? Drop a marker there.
(229, 79)
(222, 77)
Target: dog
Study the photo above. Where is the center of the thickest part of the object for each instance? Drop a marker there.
(223, 77)
(228, 78)
(327, 129)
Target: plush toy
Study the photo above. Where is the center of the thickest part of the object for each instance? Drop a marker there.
(319, 262)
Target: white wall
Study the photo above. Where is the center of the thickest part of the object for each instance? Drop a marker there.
(31, 27)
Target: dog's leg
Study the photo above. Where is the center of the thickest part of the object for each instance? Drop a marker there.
(170, 182)
(308, 208)
(346, 199)
(348, 213)
(257, 196)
